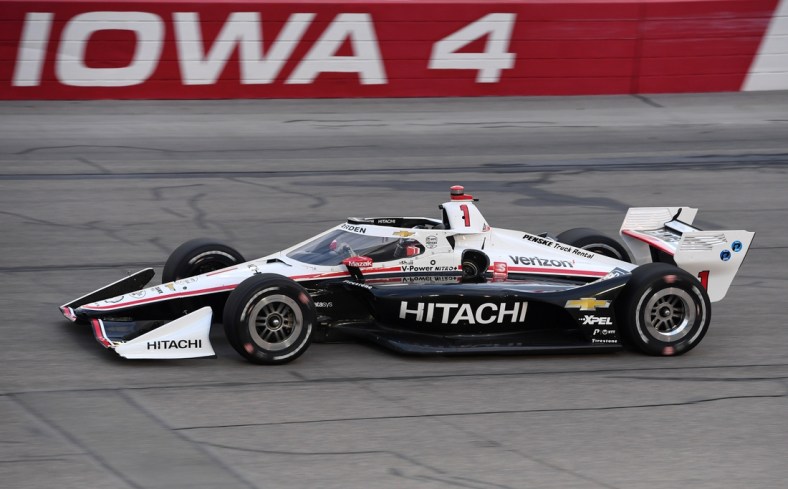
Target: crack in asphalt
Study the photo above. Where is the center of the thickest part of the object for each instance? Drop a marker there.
(339, 453)
(399, 378)
(151, 415)
(186, 151)
(319, 201)
(445, 418)
(728, 162)
(99, 459)
(489, 413)
(440, 476)
(487, 440)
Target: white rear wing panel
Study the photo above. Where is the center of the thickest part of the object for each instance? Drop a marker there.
(644, 227)
(714, 257)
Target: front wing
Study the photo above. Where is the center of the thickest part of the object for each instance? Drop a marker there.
(184, 337)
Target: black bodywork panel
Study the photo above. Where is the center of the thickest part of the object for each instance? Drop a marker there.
(456, 317)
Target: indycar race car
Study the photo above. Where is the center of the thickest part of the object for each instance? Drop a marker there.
(420, 285)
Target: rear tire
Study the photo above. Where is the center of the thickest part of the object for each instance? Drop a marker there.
(199, 256)
(269, 319)
(594, 241)
(663, 310)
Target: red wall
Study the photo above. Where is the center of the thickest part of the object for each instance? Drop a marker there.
(59, 50)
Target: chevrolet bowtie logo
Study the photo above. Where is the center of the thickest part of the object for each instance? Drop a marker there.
(404, 234)
(587, 304)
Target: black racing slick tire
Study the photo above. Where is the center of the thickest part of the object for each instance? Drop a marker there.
(269, 319)
(594, 241)
(199, 256)
(663, 310)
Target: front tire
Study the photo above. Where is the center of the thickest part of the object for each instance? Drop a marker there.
(269, 319)
(199, 256)
(594, 241)
(664, 310)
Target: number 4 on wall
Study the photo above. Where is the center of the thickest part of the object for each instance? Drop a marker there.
(498, 28)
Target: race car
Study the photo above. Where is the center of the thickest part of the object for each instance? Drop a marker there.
(448, 285)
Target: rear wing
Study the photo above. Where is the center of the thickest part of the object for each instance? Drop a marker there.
(666, 234)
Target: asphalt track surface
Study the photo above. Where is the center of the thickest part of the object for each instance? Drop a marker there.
(91, 190)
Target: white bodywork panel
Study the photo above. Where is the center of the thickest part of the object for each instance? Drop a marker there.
(185, 337)
(701, 254)
(642, 221)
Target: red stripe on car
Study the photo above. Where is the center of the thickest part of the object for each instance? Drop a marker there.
(557, 271)
(161, 298)
(656, 243)
(98, 332)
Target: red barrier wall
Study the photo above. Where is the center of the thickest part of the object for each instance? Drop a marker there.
(383, 48)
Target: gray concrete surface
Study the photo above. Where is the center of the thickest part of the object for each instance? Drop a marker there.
(89, 190)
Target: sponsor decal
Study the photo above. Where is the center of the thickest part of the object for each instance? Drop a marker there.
(158, 289)
(603, 332)
(385, 221)
(358, 262)
(427, 268)
(587, 304)
(500, 270)
(736, 246)
(324, 305)
(431, 241)
(616, 272)
(170, 286)
(596, 321)
(595, 340)
(403, 234)
(429, 279)
(539, 240)
(114, 300)
(138, 295)
(254, 269)
(354, 229)
(558, 246)
(725, 255)
(447, 313)
(573, 250)
(174, 344)
(540, 262)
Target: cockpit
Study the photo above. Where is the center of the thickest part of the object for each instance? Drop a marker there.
(330, 249)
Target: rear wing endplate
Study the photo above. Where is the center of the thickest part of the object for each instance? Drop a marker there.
(714, 257)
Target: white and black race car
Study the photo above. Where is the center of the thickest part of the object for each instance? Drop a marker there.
(420, 285)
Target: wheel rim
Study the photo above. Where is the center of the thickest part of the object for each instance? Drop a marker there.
(470, 269)
(275, 322)
(603, 249)
(669, 314)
